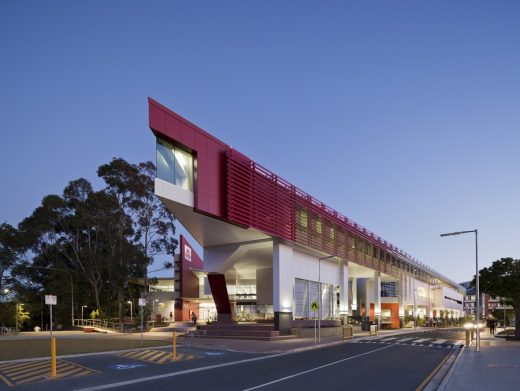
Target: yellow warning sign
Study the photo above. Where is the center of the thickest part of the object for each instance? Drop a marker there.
(315, 306)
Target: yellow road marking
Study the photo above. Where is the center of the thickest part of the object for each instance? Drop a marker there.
(32, 372)
(157, 356)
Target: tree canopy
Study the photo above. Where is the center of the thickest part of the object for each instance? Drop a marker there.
(99, 239)
(502, 279)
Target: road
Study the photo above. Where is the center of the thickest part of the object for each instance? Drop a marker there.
(399, 362)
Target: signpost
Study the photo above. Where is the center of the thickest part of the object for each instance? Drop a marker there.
(142, 304)
(51, 300)
(314, 308)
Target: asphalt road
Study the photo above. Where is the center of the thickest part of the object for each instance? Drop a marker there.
(390, 363)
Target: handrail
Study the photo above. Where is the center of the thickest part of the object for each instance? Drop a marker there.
(99, 323)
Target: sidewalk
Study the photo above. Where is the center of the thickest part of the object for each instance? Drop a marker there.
(496, 367)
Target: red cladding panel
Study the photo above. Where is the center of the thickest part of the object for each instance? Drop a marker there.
(208, 151)
(189, 260)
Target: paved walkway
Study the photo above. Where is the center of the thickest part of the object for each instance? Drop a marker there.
(496, 367)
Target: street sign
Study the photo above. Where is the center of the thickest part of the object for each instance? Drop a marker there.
(314, 306)
(51, 300)
(142, 302)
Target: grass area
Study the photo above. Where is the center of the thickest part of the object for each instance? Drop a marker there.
(14, 349)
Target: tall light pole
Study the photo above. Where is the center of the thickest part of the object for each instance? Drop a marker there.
(83, 306)
(153, 312)
(477, 312)
(319, 293)
(131, 320)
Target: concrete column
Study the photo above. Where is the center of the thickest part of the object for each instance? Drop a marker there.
(377, 297)
(282, 288)
(354, 305)
(402, 290)
(343, 291)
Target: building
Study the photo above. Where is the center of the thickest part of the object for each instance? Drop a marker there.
(270, 250)
(488, 304)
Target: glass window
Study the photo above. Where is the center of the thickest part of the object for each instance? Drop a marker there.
(174, 165)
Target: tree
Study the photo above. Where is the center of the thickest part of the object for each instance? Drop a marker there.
(153, 225)
(9, 254)
(502, 279)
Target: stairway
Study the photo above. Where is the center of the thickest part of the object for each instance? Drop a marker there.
(252, 331)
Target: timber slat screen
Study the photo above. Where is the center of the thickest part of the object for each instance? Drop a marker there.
(260, 199)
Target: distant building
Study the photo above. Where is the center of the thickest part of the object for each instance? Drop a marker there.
(488, 304)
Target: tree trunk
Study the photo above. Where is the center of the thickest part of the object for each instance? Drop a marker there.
(120, 304)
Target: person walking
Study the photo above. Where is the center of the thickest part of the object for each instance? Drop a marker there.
(492, 326)
(193, 318)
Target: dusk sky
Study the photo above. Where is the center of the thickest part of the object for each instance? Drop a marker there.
(402, 115)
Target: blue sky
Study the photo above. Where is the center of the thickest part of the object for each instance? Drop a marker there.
(402, 115)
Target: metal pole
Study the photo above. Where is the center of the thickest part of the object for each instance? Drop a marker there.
(319, 299)
(71, 299)
(141, 325)
(16, 316)
(478, 291)
(414, 309)
(50, 309)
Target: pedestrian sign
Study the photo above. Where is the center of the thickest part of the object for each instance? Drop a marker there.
(314, 306)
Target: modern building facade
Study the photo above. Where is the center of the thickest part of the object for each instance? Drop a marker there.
(270, 250)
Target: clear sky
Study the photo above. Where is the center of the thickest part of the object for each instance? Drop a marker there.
(402, 115)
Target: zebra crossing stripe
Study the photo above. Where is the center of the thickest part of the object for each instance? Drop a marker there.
(439, 341)
(422, 340)
(404, 340)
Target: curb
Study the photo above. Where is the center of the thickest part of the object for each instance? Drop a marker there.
(449, 375)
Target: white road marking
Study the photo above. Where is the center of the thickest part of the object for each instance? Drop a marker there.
(422, 340)
(313, 369)
(387, 339)
(194, 370)
(404, 340)
(439, 341)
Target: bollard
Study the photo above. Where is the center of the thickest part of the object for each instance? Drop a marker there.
(174, 353)
(53, 357)
(468, 340)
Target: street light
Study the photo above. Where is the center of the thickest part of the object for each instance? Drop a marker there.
(153, 312)
(477, 312)
(129, 302)
(319, 293)
(83, 306)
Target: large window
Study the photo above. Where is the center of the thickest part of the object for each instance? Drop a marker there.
(174, 165)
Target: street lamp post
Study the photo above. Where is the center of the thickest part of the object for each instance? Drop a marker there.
(131, 320)
(319, 294)
(83, 306)
(477, 312)
(153, 312)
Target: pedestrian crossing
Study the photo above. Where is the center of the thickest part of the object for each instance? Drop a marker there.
(414, 341)
(14, 374)
(157, 356)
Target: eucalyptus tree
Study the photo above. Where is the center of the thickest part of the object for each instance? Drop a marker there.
(153, 225)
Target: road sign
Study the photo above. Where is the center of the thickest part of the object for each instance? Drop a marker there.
(142, 302)
(314, 306)
(50, 300)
